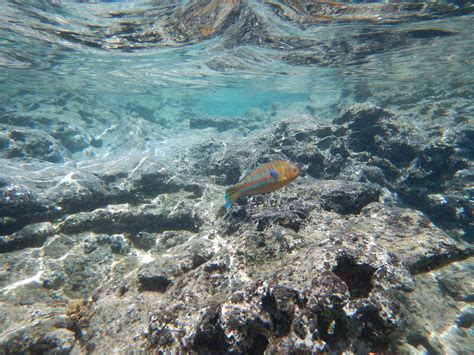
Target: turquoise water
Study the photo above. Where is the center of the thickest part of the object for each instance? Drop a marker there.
(117, 114)
(259, 54)
(110, 77)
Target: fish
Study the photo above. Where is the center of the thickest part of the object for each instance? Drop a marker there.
(265, 178)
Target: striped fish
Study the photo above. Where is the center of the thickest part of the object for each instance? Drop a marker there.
(265, 178)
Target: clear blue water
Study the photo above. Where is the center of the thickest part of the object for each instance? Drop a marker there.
(124, 81)
(118, 51)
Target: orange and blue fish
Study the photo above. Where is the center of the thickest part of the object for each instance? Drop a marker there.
(265, 178)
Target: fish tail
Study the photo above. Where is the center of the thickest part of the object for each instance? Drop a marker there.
(231, 195)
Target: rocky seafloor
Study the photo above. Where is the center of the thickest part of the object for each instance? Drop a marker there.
(368, 250)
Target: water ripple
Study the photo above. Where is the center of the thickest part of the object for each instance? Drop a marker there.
(201, 43)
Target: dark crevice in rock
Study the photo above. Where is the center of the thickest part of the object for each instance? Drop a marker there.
(105, 221)
(157, 283)
(142, 240)
(33, 235)
(374, 330)
(10, 225)
(435, 261)
(281, 318)
(350, 200)
(358, 277)
(210, 337)
(22, 206)
(16, 220)
(258, 345)
(333, 326)
(160, 338)
(466, 319)
(233, 220)
(417, 339)
(288, 219)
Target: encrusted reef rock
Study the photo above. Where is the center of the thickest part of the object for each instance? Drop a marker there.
(25, 142)
(337, 284)
(363, 252)
(428, 171)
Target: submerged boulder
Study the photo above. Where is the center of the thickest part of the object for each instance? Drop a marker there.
(16, 142)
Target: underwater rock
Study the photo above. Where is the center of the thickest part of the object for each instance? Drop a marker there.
(426, 185)
(371, 129)
(464, 139)
(76, 191)
(84, 270)
(169, 239)
(466, 318)
(334, 262)
(435, 164)
(197, 253)
(53, 192)
(147, 113)
(33, 235)
(343, 288)
(18, 142)
(72, 138)
(221, 124)
(157, 276)
(368, 143)
(143, 240)
(439, 323)
(349, 197)
(365, 144)
(209, 160)
(14, 119)
(36, 339)
(451, 280)
(130, 219)
(57, 191)
(19, 205)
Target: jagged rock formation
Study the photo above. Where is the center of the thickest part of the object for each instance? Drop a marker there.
(143, 255)
(122, 124)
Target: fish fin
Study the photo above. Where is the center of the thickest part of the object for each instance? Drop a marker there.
(231, 195)
(228, 202)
